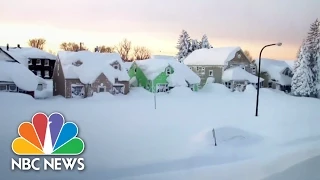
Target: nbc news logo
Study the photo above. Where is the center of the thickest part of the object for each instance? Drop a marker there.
(48, 136)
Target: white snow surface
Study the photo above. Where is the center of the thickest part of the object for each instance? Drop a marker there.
(19, 75)
(274, 68)
(212, 56)
(182, 73)
(174, 141)
(94, 64)
(163, 57)
(22, 55)
(239, 74)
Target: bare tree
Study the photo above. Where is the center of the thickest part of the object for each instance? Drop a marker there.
(247, 53)
(123, 49)
(106, 49)
(37, 43)
(141, 52)
(72, 46)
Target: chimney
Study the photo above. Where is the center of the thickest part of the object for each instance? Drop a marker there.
(18, 46)
(96, 49)
(80, 46)
(7, 47)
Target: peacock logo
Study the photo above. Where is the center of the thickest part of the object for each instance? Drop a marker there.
(48, 136)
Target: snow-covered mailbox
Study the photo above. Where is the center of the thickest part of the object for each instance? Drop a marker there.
(15, 77)
(237, 79)
(80, 74)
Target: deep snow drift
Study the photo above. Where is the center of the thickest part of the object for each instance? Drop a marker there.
(127, 138)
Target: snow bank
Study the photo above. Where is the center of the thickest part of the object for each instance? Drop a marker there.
(215, 88)
(182, 73)
(163, 57)
(23, 54)
(210, 80)
(181, 91)
(239, 74)
(250, 89)
(19, 74)
(213, 56)
(10, 97)
(93, 64)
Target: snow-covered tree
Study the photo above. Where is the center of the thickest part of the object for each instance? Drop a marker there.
(302, 79)
(183, 45)
(194, 45)
(310, 54)
(205, 42)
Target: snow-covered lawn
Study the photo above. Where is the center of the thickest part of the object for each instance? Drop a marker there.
(127, 138)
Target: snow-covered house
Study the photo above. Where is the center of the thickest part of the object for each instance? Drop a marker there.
(15, 77)
(38, 61)
(212, 62)
(80, 74)
(236, 79)
(161, 75)
(277, 73)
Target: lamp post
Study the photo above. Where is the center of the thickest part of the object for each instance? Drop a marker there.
(257, 102)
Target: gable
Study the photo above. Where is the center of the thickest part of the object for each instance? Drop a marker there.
(240, 58)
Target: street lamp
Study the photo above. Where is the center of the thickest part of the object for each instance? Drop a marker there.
(257, 102)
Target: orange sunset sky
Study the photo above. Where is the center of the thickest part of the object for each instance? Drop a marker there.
(157, 24)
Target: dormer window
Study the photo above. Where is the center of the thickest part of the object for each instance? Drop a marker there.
(77, 63)
(30, 62)
(116, 66)
(168, 71)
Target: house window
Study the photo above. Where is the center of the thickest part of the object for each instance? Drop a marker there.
(135, 70)
(168, 71)
(30, 62)
(46, 73)
(198, 68)
(243, 67)
(211, 73)
(12, 87)
(270, 84)
(46, 62)
(3, 87)
(39, 73)
(38, 62)
(116, 66)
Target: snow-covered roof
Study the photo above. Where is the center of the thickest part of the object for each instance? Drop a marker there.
(19, 75)
(23, 54)
(93, 64)
(239, 74)
(212, 56)
(182, 73)
(127, 65)
(274, 68)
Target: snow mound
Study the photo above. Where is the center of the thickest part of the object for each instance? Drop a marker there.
(226, 136)
(239, 74)
(210, 80)
(215, 88)
(213, 56)
(101, 96)
(250, 89)
(12, 97)
(181, 91)
(19, 75)
(139, 91)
